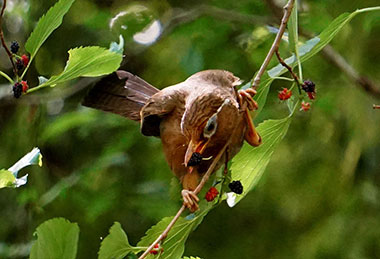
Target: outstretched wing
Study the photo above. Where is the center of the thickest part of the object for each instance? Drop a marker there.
(122, 93)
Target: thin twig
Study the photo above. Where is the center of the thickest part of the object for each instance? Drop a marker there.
(290, 69)
(9, 53)
(276, 43)
(376, 106)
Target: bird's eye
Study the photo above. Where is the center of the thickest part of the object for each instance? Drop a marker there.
(210, 127)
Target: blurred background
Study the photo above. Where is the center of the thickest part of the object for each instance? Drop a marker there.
(320, 195)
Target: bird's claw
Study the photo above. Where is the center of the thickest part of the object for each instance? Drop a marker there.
(190, 200)
(247, 95)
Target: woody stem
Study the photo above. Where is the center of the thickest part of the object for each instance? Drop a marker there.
(276, 43)
(290, 69)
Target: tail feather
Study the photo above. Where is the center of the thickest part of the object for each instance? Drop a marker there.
(122, 93)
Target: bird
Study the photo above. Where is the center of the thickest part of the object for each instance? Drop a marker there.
(194, 119)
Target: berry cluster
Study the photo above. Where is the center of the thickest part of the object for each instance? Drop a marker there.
(156, 249)
(236, 187)
(19, 88)
(284, 94)
(211, 194)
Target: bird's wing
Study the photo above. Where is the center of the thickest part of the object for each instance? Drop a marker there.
(122, 93)
(158, 106)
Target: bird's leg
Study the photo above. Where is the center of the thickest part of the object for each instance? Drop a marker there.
(251, 135)
(189, 183)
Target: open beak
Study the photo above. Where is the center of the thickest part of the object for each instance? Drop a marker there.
(194, 147)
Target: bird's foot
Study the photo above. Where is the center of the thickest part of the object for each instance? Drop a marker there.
(190, 200)
(247, 95)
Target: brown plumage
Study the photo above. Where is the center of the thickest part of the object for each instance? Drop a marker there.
(198, 115)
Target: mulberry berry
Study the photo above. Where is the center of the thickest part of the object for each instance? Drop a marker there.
(211, 194)
(25, 86)
(14, 47)
(196, 159)
(17, 90)
(284, 94)
(25, 60)
(236, 187)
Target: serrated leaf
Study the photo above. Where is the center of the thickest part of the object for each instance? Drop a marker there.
(250, 163)
(7, 179)
(34, 157)
(88, 62)
(316, 44)
(46, 25)
(174, 244)
(56, 239)
(116, 244)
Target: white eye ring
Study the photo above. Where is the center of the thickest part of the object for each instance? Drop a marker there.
(211, 126)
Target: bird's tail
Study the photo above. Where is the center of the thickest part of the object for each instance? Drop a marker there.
(122, 93)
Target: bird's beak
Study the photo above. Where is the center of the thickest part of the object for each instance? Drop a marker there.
(194, 147)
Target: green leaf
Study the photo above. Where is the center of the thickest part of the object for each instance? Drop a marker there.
(116, 244)
(250, 163)
(7, 179)
(174, 244)
(56, 239)
(316, 44)
(89, 62)
(191, 257)
(46, 25)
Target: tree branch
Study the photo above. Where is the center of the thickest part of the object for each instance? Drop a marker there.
(287, 11)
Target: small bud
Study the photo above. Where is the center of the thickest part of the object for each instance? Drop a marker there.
(25, 86)
(284, 94)
(17, 90)
(25, 60)
(157, 248)
(236, 187)
(305, 106)
(211, 194)
(14, 47)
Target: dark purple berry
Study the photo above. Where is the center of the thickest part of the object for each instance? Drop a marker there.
(14, 47)
(308, 86)
(17, 90)
(236, 187)
(196, 159)
(19, 64)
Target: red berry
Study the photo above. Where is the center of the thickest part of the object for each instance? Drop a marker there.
(25, 86)
(305, 106)
(25, 60)
(211, 194)
(284, 94)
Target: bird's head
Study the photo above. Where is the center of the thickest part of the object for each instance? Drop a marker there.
(208, 122)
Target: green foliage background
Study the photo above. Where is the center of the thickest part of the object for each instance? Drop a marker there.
(319, 197)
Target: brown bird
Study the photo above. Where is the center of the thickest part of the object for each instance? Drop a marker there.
(194, 119)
